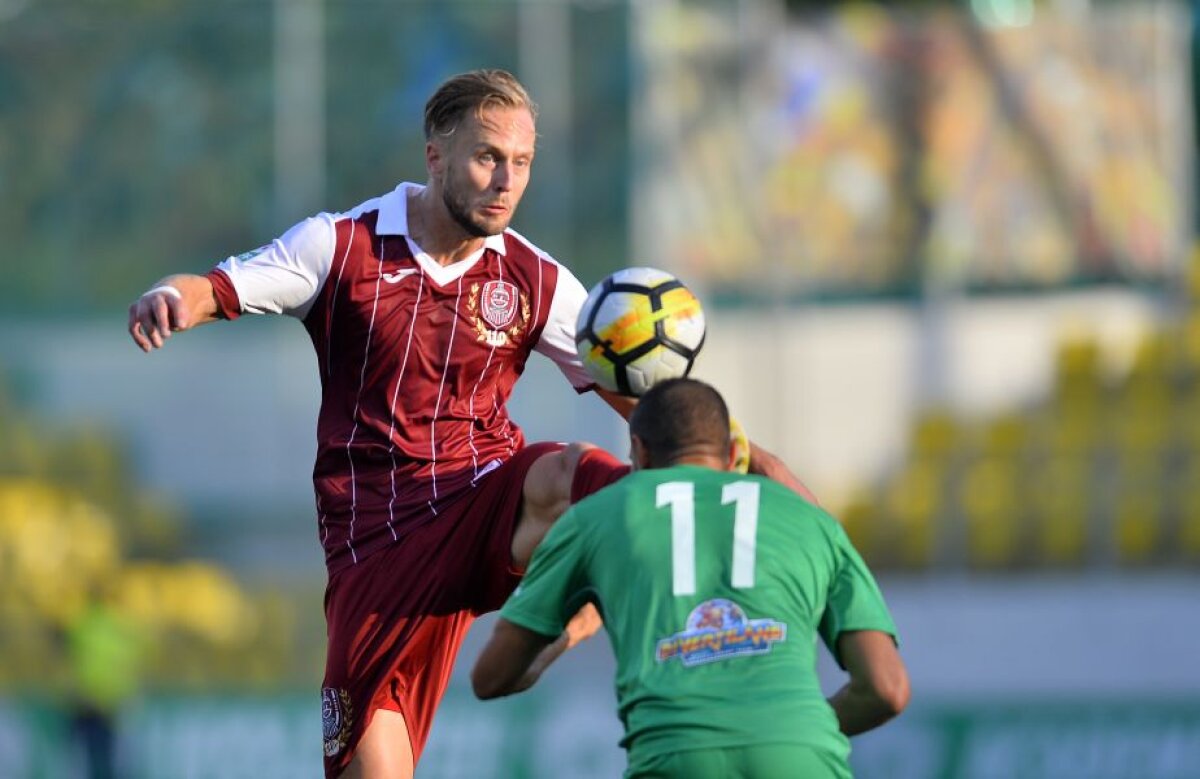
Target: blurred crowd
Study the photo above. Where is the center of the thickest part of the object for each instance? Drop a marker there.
(879, 149)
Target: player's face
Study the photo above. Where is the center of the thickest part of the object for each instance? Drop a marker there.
(484, 168)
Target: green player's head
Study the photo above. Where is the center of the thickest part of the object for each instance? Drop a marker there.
(680, 421)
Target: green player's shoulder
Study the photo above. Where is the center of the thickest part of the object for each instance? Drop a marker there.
(600, 502)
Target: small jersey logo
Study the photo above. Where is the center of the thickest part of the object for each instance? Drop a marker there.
(499, 311)
(244, 256)
(337, 717)
(717, 629)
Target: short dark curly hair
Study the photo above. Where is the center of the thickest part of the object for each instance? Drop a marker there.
(681, 416)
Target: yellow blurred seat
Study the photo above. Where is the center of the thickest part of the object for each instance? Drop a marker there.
(1059, 497)
(912, 502)
(1186, 492)
(1142, 422)
(1077, 367)
(861, 516)
(1007, 435)
(992, 510)
(1138, 512)
(1187, 347)
(936, 433)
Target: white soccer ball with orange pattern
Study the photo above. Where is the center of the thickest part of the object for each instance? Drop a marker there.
(638, 327)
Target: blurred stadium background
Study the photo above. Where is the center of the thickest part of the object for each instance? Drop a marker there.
(947, 249)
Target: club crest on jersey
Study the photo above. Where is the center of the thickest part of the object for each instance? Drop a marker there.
(717, 629)
(337, 717)
(499, 312)
(499, 303)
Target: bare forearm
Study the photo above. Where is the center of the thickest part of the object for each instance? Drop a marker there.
(859, 710)
(199, 298)
(543, 661)
(767, 464)
(622, 404)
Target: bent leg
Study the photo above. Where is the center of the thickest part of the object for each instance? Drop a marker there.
(555, 481)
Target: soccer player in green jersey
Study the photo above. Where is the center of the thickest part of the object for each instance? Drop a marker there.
(713, 586)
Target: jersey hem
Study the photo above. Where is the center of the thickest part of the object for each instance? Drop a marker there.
(665, 748)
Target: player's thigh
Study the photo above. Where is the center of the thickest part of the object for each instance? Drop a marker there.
(761, 761)
(384, 751)
(545, 495)
(553, 482)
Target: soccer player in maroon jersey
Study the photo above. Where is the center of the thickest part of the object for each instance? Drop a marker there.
(423, 307)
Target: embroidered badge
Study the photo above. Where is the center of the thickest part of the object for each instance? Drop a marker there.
(499, 303)
(718, 629)
(499, 312)
(337, 716)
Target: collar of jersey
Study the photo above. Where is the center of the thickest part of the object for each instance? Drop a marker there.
(393, 220)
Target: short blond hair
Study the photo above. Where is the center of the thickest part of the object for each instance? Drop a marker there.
(474, 90)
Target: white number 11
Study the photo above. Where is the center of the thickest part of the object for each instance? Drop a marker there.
(681, 497)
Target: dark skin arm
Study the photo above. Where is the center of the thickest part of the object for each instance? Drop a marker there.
(878, 687)
(513, 660)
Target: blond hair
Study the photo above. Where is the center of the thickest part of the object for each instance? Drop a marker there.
(475, 91)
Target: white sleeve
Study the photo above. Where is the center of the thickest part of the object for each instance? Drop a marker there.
(285, 276)
(558, 336)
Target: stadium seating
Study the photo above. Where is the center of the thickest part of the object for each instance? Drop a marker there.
(76, 529)
(1101, 472)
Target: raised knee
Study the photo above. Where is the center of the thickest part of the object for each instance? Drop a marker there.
(572, 454)
(548, 484)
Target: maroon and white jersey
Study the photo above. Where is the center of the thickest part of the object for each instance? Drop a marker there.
(417, 360)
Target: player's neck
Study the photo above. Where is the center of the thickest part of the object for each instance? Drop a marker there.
(702, 460)
(436, 232)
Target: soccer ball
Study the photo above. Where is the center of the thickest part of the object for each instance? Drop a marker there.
(638, 327)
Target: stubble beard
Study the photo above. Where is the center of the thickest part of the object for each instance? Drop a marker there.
(462, 216)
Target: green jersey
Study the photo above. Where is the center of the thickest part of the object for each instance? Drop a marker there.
(713, 586)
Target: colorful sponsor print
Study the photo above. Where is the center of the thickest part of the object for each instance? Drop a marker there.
(717, 629)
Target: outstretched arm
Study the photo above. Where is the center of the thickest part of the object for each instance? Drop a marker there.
(176, 303)
(878, 687)
(767, 464)
(622, 404)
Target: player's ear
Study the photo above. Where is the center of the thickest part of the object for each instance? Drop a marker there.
(732, 461)
(433, 157)
(638, 453)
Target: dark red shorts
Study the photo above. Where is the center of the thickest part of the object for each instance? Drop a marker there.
(396, 619)
(595, 470)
